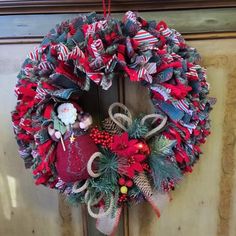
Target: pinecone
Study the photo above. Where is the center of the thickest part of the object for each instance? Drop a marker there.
(111, 127)
(142, 182)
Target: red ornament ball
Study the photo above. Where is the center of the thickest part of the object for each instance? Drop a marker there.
(143, 148)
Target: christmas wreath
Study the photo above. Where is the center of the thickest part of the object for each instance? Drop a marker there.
(124, 159)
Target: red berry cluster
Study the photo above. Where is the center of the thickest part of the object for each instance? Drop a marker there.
(128, 183)
(167, 186)
(101, 137)
(146, 167)
(122, 198)
(124, 183)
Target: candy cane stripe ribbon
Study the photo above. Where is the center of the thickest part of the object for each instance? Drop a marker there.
(145, 37)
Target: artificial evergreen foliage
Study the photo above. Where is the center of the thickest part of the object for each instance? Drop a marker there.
(136, 194)
(108, 165)
(162, 146)
(137, 130)
(75, 199)
(163, 171)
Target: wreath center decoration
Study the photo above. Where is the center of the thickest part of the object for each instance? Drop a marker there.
(125, 159)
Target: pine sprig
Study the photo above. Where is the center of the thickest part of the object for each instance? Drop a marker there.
(136, 194)
(106, 183)
(163, 171)
(162, 146)
(101, 185)
(75, 199)
(137, 130)
(108, 165)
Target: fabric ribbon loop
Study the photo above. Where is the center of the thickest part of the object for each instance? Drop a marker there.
(155, 117)
(90, 162)
(124, 121)
(80, 189)
(127, 117)
(100, 214)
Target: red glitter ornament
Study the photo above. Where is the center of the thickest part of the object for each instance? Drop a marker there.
(143, 147)
(71, 164)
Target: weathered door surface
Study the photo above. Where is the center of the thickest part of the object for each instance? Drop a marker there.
(203, 205)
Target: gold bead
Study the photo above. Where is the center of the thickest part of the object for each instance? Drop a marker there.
(124, 189)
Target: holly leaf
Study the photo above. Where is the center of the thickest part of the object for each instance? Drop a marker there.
(59, 125)
(163, 146)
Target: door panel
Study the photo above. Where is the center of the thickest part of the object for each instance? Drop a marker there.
(204, 204)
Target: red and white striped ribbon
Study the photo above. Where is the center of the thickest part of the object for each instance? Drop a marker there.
(192, 74)
(183, 106)
(145, 37)
(97, 47)
(63, 52)
(95, 77)
(75, 53)
(34, 55)
(45, 65)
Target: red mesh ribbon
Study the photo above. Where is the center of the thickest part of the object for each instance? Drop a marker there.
(108, 224)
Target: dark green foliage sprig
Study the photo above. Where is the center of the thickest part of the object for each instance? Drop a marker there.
(106, 183)
(162, 146)
(108, 165)
(75, 199)
(162, 169)
(136, 194)
(137, 130)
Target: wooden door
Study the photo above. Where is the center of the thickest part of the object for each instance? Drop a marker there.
(205, 203)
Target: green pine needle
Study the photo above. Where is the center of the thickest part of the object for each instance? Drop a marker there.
(106, 183)
(108, 166)
(75, 199)
(163, 171)
(162, 146)
(137, 130)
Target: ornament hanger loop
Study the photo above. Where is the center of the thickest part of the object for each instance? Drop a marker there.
(106, 9)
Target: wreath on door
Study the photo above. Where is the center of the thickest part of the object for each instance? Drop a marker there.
(125, 159)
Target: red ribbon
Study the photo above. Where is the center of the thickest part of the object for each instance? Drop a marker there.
(106, 9)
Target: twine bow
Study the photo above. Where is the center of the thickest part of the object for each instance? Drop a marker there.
(124, 120)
